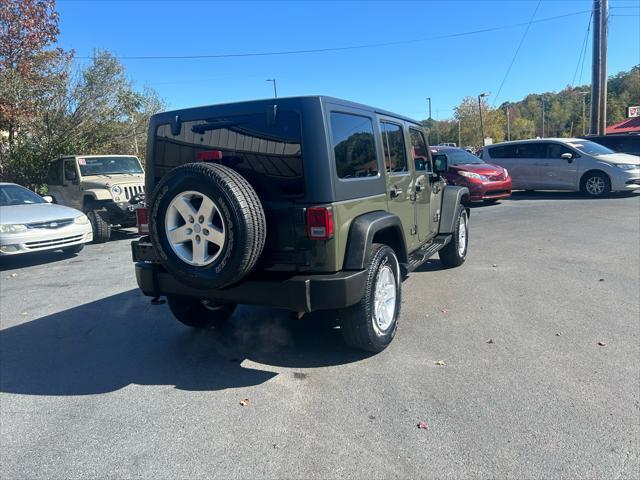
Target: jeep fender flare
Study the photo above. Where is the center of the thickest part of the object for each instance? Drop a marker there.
(363, 230)
(452, 196)
(96, 194)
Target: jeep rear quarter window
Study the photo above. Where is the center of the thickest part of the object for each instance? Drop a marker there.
(266, 152)
(353, 145)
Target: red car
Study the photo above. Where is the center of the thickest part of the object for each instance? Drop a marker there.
(486, 183)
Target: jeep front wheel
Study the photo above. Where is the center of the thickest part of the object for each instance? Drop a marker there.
(199, 313)
(98, 217)
(372, 323)
(455, 252)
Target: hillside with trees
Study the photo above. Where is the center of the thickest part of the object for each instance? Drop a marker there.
(49, 108)
(562, 113)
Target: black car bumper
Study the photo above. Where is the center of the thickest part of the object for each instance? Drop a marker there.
(300, 293)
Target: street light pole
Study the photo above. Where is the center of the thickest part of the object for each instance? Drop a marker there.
(584, 112)
(275, 92)
(429, 121)
(508, 125)
(480, 97)
(459, 136)
(542, 102)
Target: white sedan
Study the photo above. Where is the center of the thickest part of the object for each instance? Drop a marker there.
(30, 223)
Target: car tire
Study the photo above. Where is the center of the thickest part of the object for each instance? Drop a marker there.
(454, 253)
(207, 224)
(99, 218)
(595, 184)
(74, 249)
(199, 313)
(372, 323)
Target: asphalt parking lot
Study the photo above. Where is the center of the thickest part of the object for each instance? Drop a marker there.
(97, 383)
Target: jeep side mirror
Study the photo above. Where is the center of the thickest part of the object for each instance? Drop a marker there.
(70, 175)
(440, 164)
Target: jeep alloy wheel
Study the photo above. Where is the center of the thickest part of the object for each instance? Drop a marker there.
(372, 323)
(195, 235)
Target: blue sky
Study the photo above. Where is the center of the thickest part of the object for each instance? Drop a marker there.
(394, 77)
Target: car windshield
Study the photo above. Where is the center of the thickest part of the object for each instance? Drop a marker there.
(16, 195)
(590, 148)
(108, 165)
(460, 157)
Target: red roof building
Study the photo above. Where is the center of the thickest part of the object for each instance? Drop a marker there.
(629, 125)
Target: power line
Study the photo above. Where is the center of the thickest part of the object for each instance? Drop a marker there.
(524, 35)
(583, 51)
(336, 49)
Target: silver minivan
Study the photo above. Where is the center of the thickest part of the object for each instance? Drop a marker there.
(565, 164)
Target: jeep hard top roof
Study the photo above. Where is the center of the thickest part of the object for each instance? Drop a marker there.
(292, 100)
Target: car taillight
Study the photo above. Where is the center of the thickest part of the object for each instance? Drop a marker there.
(319, 223)
(209, 156)
(142, 218)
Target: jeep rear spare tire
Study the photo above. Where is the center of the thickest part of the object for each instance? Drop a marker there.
(208, 225)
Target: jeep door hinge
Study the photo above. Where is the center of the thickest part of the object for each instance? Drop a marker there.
(413, 230)
(436, 217)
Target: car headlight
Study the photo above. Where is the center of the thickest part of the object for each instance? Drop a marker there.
(473, 175)
(627, 166)
(506, 172)
(12, 228)
(116, 190)
(81, 220)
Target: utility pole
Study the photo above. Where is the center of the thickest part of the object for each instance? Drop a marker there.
(459, 136)
(599, 68)
(275, 92)
(508, 125)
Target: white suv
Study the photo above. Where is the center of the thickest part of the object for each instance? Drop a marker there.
(565, 164)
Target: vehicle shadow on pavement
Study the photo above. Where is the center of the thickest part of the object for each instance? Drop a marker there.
(556, 195)
(120, 340)
(14, 262)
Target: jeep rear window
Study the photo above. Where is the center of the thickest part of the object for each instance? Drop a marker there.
(266, 151)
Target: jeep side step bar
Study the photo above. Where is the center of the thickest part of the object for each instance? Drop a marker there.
(427, 251)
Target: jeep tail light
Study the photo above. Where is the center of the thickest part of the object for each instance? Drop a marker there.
(209, 156)
(142, 218)
(319, 223)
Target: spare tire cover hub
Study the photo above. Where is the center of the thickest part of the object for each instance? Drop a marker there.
(195, 228)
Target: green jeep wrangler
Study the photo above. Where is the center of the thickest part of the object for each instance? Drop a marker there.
(306, 203)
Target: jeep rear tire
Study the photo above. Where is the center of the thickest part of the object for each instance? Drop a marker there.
(207, 224)
(372, 323)
(199, 313)
(454, 253)
(99, 218)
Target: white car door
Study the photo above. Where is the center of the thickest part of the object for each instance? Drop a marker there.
(556, 172)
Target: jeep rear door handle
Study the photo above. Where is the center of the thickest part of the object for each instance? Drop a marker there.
(394, 192)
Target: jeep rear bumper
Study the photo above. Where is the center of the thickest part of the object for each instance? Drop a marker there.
(300, 293)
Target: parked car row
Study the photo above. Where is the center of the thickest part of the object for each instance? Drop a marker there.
(566, 164)
(247, 211)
